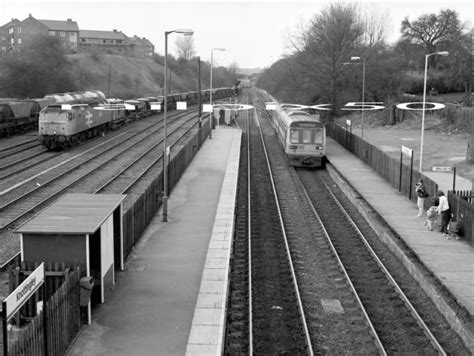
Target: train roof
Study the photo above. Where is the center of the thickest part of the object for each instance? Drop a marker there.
(292, 116)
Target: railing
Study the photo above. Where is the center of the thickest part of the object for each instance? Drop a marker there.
(461, 203)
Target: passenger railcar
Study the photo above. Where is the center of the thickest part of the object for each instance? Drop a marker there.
(303, 136)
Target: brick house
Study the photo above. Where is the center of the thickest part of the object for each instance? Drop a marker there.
(9, 35)
(141, 47)
(111, 42)
(17, 34)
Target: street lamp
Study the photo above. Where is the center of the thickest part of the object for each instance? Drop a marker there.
(363, 90)
(444, 54)
(186, 32)
(210, 93)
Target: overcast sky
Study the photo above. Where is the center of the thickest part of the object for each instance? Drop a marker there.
(254, 34)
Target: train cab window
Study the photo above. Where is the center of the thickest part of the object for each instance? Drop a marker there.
(306, 136)
(294, 136)
(319, 137)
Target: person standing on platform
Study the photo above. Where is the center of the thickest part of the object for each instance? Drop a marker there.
(444, 211)
(421, 195)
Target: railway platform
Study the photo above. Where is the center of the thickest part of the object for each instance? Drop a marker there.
(170, 300)
(450, 261)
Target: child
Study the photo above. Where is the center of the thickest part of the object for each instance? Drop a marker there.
(430, 218)
(421, 195)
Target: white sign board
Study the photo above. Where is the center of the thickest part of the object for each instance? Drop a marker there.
(181, 105)
(156, 107)
(270, 106)
(24, 291)
(407, 151)
(442, 169)
(207, 108)
(348, 122)
(66, 107)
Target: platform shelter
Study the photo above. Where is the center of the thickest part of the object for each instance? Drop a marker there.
(83, 229)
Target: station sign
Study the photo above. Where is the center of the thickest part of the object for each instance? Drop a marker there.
(442, 169)
(407, 151)
(156, 107)
(24, 291)
(348, 122)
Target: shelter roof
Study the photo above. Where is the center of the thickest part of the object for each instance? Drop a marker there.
(74, 214)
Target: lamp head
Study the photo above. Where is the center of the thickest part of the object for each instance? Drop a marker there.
(443, 53)
(355, 58)
(218, 49)
(185, 31)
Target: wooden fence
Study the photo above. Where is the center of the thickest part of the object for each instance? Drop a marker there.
(388, 167)
(62, 313)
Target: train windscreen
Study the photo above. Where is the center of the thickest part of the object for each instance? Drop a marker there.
(307, 133)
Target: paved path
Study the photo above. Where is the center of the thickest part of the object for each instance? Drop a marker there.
(151, 309)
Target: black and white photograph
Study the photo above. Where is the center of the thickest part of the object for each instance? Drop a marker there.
(236, 177)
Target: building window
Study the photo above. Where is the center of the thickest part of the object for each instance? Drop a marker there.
(10, 30)
(19, 41)
(52, 33)
(73, 44)
(62, 34)
(104, 41)
(83, 40)
(18, 30)
(119, 41)
(3, 38)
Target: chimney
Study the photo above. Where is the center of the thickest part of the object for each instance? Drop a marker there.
(115, 30)
(69, 20)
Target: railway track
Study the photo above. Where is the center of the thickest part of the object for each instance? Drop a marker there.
(394, 323)
(18, 147)
(100, 166)
(349, 303)
(275, 321)
(57, 182)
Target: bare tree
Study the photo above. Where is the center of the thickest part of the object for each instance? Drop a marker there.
(373, 22)
(185, 47)
(329, 41)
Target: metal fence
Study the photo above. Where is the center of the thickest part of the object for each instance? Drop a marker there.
(388, 167)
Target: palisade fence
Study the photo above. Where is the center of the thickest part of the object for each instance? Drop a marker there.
(461, 202)
(137, 217)
(62, 312)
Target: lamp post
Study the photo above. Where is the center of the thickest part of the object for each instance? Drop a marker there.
(363, 90)
(442, 53)
(186, 32)
(210, 93)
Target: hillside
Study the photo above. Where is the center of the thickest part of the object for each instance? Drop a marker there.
(129, 77)
(136, 77)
